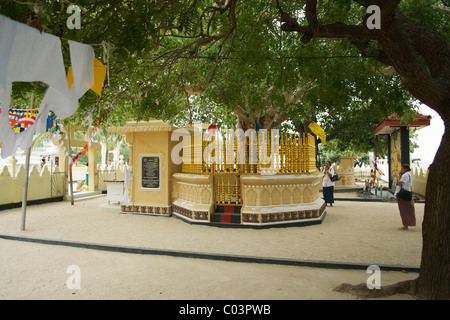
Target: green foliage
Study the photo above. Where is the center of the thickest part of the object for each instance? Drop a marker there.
(332, 152)
(428, 12)
(161, 48)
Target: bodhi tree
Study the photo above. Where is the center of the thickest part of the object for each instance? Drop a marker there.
(263, 75)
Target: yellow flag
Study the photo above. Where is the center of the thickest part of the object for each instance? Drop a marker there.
(99, 76)
(69, 77)
(318, 131)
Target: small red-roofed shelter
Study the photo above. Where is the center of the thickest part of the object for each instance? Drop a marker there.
(394, 123)
(398, 140)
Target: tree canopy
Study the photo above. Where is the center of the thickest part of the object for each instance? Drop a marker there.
(225, 62)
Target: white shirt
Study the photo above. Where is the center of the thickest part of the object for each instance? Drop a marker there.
(326, 179)
(407, 181)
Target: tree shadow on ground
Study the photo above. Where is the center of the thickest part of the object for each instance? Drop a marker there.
(362, 291)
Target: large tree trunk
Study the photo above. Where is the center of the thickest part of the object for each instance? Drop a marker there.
(403, 41)
(428, 80)
(434, 277)
(431, 85)
(271, 119)
(432, 88)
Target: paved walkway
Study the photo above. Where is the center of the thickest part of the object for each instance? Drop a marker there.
(352, 232)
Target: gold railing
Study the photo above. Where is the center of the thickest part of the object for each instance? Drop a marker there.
(227, 189)
(281, 153)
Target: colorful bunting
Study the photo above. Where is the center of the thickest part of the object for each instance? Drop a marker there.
(58, 137)
(87, 146)
(376, 168)
(21, 119)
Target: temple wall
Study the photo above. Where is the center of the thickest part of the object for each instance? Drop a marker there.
(192, 196)
(419, 181)
(281, 198)
(41, 185)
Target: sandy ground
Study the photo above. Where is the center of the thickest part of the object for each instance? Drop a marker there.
(363, 232)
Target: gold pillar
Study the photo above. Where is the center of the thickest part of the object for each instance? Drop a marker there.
(237, 190)
(258, 160)
(296, 142)
(236, 158)
(229, 191)
(218, 190)
(224, 154)
(283, 154)
(247, 154)
(223, 191)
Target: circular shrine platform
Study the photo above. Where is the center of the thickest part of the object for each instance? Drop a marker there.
(231, 178)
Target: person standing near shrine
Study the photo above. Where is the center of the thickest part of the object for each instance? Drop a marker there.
(109, 166)
(327, 184)
(406, 208)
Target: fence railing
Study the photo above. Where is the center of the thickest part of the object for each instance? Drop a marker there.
(249, 153)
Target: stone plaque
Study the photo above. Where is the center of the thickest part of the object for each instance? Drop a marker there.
(150, 172)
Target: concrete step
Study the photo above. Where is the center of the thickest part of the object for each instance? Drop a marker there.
(234, 218)
(227, 214)
(87, 195)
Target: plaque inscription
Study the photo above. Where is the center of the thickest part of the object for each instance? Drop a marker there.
(150, 172)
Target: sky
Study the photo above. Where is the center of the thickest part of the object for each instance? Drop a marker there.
(429, 138)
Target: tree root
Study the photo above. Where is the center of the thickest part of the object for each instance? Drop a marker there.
(361, 290)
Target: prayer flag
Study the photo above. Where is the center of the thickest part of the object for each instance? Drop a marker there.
(318, 131)
(99, 76)
(70, 77)
(212, 128)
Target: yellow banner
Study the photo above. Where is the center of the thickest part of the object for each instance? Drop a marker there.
(99, 76)
(318, 131)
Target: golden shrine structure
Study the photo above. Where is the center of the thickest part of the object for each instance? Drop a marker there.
(227, 178)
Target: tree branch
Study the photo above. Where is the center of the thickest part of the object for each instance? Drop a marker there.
(335, 30)
(401, 40)
(311, 13)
